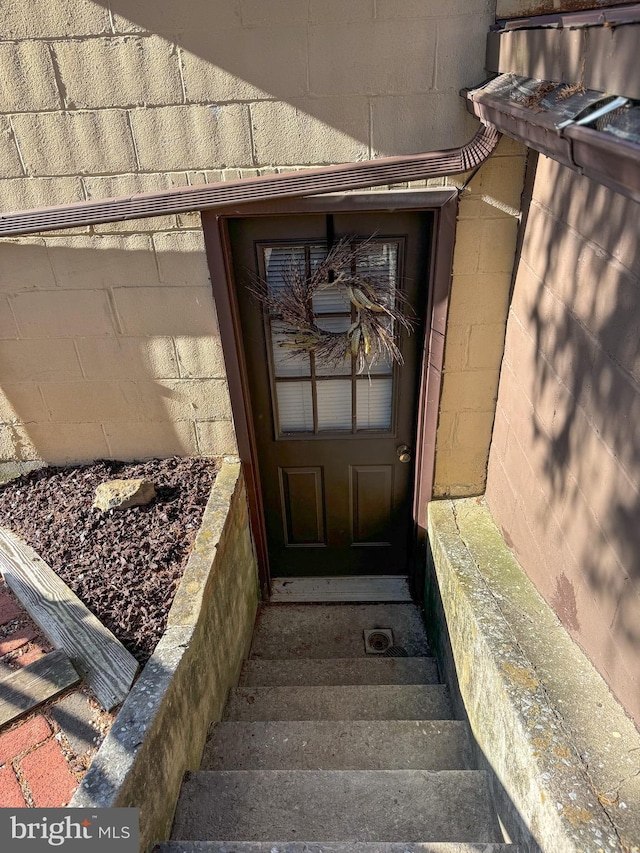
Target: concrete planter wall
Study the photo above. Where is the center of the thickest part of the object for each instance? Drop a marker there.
(160, 731)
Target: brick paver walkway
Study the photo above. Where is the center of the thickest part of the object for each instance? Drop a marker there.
(44, 755)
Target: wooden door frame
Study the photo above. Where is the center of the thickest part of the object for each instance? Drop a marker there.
(443, 202)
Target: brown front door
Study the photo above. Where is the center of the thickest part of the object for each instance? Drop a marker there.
(337, 498)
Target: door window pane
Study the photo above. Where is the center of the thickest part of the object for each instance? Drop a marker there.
(317, 254)
(326, 367)
(334, 404)
(380, 261)
(330, 300)
(373, 403)
(295, 406)
(286, 362)
(280, 262)
(382, 365)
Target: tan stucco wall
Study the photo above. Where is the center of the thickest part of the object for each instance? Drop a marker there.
(564, 471)
(108, 336)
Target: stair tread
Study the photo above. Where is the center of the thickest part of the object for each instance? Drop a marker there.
(342, 805)
(339, 745)
(341, 589)
(341, 702)
(332, 847)
(322, 741)
(335, 671)
(334, 631)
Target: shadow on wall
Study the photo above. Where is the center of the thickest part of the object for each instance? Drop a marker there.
(578, 296)
(121, 361)
(326, 81)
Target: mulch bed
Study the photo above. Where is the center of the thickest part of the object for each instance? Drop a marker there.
(125, 565)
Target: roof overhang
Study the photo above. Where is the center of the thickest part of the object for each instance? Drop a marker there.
(568, 86)
(598, 48)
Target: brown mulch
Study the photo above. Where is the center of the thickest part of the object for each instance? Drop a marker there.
(125, 565)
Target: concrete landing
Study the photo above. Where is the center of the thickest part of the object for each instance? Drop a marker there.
(343, 805)
(369, 670)
(339, 745)
(334, 631)
(358, 702)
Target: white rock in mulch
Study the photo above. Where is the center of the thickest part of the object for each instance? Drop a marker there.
(121, 494)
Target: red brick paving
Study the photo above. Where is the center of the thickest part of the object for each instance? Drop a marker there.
(23, 737)
(48, 776)
(9, 608)
(10, 793)
(30, 749)
(17, 639)
(36, 651)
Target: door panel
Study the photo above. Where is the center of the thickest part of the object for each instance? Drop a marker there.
(337, 500)
(371, 504)
(302, 504)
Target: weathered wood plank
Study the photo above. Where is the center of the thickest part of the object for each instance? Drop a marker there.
(101, 659)
(26, 688)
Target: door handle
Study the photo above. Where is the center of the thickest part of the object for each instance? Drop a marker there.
(404, 453)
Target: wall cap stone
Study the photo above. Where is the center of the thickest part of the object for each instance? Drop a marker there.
(187, 601)
(560, 745)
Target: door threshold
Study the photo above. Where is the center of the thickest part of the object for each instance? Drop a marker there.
(340, 589)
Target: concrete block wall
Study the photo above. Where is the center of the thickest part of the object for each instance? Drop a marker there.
(488, 219)
(564, 471)
(108, 336)
(110, 348)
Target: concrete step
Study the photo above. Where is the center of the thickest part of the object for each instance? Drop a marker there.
(358, 702)
(324, 590)
(369, 670)
(341, 805)
(339, 745)
(330, 847)
(334, 630)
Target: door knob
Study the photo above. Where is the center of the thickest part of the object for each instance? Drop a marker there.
(404, 453)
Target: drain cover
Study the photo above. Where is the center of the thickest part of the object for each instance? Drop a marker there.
(395, 652)
(378, 640)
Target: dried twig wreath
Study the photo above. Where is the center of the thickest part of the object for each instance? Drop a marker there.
(377, 306)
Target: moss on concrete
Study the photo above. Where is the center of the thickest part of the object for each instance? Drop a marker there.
(490, 622)
(598, 727)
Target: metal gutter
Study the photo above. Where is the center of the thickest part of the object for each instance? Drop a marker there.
(607, 159)
(535, 130)
(327, 179)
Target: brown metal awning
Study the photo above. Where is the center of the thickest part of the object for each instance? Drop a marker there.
(592, 132)
(328, 179)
